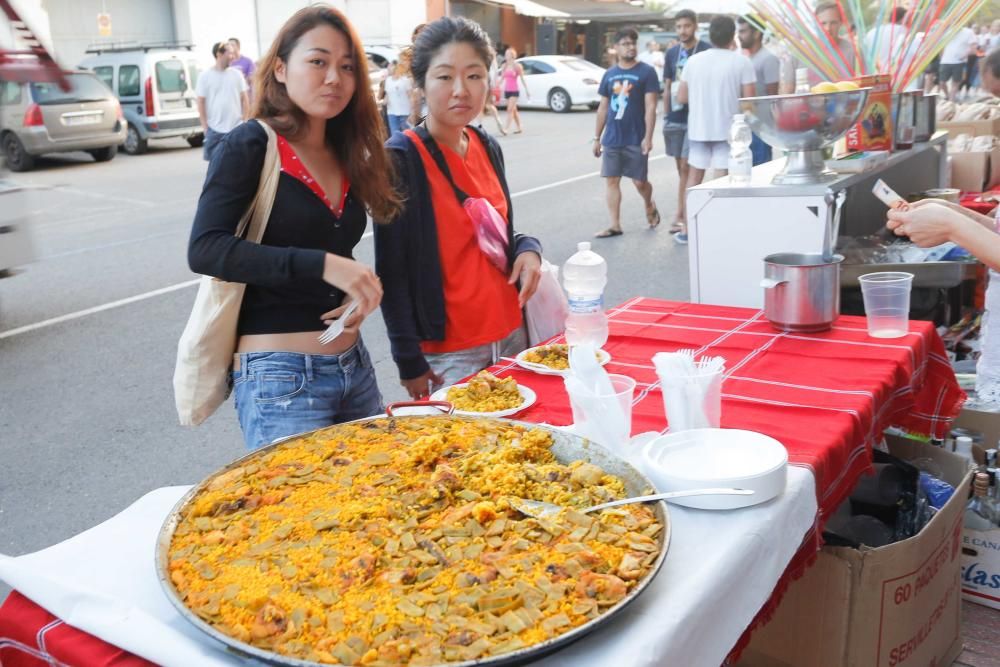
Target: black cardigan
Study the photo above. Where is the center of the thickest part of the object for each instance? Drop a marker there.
(407, 260)
(285, 290)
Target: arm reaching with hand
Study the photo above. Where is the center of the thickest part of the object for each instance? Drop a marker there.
(932, 222)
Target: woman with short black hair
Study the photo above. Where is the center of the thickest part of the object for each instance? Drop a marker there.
(452, 308)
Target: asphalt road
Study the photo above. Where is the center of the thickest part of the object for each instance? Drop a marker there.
(87, 422)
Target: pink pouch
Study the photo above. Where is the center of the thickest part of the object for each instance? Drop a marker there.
(491, 231)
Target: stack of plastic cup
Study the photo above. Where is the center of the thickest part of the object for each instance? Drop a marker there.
(887, 302)
(603, 417)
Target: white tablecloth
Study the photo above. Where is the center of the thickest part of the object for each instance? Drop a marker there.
(720, 569)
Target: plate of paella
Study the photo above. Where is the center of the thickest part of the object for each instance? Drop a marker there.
(551, 359)
(486, 395)
(393, 541)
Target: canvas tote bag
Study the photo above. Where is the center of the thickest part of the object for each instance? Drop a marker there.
(205, 350)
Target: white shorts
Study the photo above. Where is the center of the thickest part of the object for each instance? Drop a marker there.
(708, 154)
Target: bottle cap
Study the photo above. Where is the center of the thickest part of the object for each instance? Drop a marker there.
(584, 246)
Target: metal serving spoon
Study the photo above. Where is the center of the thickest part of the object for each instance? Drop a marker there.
(543, 510)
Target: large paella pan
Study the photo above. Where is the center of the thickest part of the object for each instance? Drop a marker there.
(389, 541)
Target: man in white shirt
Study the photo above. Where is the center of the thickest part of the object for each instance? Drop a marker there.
(994, 37)
(712, 84)
(890, 39)
(222, 98)
(954, 60)
(831, 21)
(767, 69)
(653, 57)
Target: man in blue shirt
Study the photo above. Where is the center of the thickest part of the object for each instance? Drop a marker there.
(675, 118)
(624, 134)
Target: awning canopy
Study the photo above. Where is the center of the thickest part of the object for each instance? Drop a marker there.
(579, 10)
(712, 7)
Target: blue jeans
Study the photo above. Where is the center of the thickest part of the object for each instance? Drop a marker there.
(397, 124)
(212, 140)
(278, 394)
(760, 151)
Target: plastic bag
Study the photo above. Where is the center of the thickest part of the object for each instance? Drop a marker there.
(545, 313)
(491, 230)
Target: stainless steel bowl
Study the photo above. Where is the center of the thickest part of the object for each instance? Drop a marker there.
(803, 125)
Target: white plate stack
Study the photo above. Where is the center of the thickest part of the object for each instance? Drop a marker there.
(716, 457)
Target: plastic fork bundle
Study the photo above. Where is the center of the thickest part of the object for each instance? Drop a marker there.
(692, 389)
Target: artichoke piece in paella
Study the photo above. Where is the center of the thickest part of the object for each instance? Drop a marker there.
(393, 542)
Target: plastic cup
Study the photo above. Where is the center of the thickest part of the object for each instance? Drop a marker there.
(594, 415)
(887, 303)
(692, 402)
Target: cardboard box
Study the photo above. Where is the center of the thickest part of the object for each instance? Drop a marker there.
(981, 423)
(975, 172)
(898, 605)
(873, 131)
(981, 567)
(973, 128)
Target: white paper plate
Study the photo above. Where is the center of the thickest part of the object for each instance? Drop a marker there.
(528, 398)
(603, 358)
(716, 457)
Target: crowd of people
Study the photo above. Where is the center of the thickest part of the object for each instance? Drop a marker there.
(431, 189)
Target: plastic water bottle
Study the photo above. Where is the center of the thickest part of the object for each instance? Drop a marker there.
(584, 276)
(740, 158)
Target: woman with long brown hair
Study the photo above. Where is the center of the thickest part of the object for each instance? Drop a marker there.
(312, 90)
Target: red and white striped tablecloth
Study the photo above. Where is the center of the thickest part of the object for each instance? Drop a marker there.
(827, 397)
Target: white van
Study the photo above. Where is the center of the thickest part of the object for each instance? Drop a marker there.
(155, 85)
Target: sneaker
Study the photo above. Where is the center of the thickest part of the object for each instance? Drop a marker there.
(681, 237)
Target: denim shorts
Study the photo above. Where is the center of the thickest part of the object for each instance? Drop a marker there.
(455, 366)
(675, 139)
(627, 161)
(278, 394)
(212, 141)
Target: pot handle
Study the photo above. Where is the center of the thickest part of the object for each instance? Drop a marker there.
(443, 406)
(771, 283)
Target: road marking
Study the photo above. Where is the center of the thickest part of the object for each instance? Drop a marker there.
(115, 244)
(97, 309)
(190, 283)
(549, 186)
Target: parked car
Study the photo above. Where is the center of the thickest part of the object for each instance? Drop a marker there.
(559, 82)
(382, 54)
(40, 118)
(155, 84)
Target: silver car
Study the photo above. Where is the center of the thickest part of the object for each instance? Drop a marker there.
(40, 118)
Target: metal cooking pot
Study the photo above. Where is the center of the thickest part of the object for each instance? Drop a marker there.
(801, 291)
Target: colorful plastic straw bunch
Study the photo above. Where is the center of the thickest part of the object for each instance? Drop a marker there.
(928, 27)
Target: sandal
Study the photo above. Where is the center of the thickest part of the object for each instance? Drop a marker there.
(653, 218)
(608, 233)
(678, 226)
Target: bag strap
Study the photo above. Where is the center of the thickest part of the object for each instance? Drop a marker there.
(438, 157)
(254, 221)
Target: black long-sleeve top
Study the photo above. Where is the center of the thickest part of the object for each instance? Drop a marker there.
(285, 289)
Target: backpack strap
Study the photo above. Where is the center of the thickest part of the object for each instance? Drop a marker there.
(438, 157)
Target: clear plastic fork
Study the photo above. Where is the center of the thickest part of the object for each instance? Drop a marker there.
(337, 326)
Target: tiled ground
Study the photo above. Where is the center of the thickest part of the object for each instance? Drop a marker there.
(981, 634)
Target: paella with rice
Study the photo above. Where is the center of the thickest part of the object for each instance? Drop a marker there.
(393, 542)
